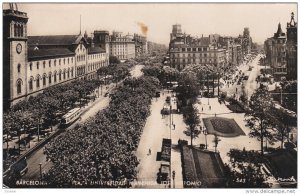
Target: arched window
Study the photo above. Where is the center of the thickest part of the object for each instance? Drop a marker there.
(59, 61)
(68, 73)
(72, 72)
(44, 80)
(50, 78)
(54, 77)
(64, 61)
(37, 81)
(30, 66)
(19, 86)
(21, 30)
(31, 83)
(15, 30)
(19, 68)
(59, 75)
(64, 75)
(72, 59)
(55, 62)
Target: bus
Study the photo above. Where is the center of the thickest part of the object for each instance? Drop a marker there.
(71, 116)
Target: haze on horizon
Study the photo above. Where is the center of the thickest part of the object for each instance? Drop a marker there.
(227, 19)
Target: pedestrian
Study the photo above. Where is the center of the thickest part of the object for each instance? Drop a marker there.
(209, 107)
(202, 109)
(149, 153)
(215, 115)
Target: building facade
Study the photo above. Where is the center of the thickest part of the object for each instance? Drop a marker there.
(121, 46)
(185, 49)
(291, 49)
(275, 49)
(140, 45)
(34, 63)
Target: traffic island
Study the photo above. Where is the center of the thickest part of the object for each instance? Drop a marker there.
(223, 127)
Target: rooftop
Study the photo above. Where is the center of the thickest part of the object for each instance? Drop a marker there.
(34, 53)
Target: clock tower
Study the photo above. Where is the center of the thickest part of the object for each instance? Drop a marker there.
(14, 55)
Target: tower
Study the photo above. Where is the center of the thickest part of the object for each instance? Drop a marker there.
(14, 55)
(291, 49)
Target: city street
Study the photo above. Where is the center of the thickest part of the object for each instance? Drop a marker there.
(250, 84)
(151, 96)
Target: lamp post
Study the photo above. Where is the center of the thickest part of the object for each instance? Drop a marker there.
(205, 133)
(38, 129)
(41, 176)
(173, 176)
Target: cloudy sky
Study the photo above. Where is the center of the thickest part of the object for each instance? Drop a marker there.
(196, 19)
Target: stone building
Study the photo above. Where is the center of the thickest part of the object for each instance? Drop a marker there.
(291, 49)
(34, 63)
(121, 46)
(185, 49)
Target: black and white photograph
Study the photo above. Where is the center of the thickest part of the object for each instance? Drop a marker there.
(142, 95)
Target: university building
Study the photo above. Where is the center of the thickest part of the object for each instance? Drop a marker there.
(34, 63)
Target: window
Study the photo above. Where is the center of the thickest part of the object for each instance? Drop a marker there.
(49, 63)
(37, 65)
(188, 49)
(19, 86)
(50, 78)
(72, 59)
(194, 49)
(59, 76)
(44, 80)
(68, 74)
(19, 68)
(30, 66)
(44, 64)
(59, 61)
(64, 61)
(183, 49)
(68, 60)
(31, 84)
(64, 75)
(38, 81)
(54, 77)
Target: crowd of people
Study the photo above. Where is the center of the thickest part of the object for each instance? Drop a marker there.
(103, 148)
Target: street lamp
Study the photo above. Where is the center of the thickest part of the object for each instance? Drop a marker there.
(205, 133)
(173, 176)
(41, 176)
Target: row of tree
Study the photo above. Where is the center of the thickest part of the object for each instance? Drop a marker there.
(102, 149)
(263, 118)
(43, 109)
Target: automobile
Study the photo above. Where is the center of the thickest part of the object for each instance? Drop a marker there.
(106, 94)
(168, 99)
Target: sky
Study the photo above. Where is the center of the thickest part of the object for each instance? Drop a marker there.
(157, 19)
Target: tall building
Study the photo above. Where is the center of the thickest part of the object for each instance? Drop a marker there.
(140, 45)
(275, 49)
(121, 46)
(291, 49)
(185, 49)
(34, 63)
